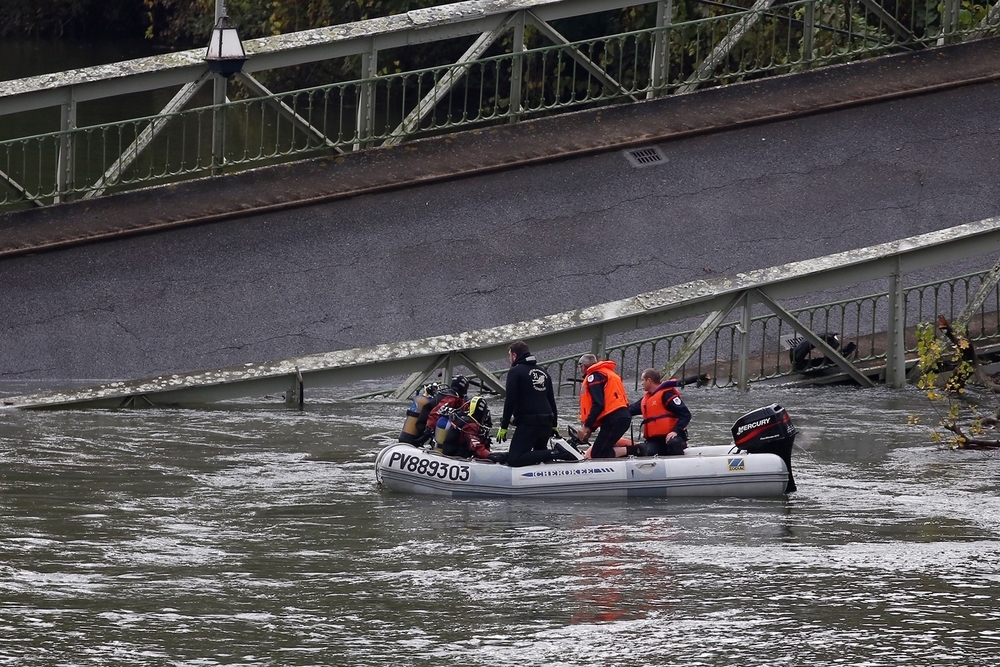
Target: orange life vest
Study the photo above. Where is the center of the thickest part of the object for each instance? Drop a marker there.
(614, 392)
(657, 421)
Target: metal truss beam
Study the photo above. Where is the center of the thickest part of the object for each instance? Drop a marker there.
(744, 330)
(661, 48)
(298, 121)
(18, 188)
(723, 48)
(65, 173)
(366, 98)
(895, 353)
(516, 68)
(990, 21)
(692, 344)
(419, 378)
(602, 76)
(484, 375)
(975, 303)
(295, 396)
(146, 137)
(817, 341)
(445, 84)
(888, 19)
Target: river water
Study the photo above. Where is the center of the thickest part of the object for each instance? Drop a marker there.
(250, 534)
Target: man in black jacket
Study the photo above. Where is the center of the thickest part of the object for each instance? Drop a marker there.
(531, 404)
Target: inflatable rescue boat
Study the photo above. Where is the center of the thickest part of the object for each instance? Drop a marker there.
(757, 464)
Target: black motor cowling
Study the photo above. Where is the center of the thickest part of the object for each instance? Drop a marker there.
(767, 430)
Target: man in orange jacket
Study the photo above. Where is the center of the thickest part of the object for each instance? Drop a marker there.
(603, 407)
(664, 416)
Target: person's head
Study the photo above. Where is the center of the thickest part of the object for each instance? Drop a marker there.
(480, 411)
(460, 383)
(586, 361)
(516, 349)
(651, 379)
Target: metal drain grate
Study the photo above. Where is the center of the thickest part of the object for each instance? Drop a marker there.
(644, 157)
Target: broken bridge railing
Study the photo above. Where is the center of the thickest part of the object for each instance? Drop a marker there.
(714, 301)
(858, 320)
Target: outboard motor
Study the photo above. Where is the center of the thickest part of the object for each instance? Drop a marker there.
(767, 430)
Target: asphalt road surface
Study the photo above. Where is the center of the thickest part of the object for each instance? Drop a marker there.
(503, 247)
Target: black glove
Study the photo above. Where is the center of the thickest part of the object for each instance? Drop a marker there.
(498, 457)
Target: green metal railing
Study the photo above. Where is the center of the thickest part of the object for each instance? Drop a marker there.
(732, 44)
(855, 320)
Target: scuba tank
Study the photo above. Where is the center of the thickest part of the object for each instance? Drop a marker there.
(416, 415)
(452, 434)
(448, 432)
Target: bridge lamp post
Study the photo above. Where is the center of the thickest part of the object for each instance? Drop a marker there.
(225, 57)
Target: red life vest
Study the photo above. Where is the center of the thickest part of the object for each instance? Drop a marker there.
(657, 421)
(615, 397)
(446, 399)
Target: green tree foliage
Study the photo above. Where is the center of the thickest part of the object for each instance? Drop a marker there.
(183, 23)
(190, 21)
(71, 18)
(774, 43)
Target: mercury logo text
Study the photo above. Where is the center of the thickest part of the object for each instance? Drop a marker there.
(752, 425)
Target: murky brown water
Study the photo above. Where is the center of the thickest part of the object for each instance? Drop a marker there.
(253, 535)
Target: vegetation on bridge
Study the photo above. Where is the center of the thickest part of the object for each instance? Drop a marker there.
(950, 367)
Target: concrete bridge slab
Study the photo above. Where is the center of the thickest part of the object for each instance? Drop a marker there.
(446, 255)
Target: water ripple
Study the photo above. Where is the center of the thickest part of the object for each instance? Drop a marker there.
(250, 535)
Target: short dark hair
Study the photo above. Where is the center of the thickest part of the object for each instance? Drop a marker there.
(651, 374)
(519, 347)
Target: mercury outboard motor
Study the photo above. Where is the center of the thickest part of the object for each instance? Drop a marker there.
(767, 430)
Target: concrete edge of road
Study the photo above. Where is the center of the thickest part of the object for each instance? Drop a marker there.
(480, 151)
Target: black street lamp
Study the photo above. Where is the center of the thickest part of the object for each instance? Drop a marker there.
(225, 55)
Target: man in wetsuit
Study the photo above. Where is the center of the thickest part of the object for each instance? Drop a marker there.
(531, 406)
(468, 431)
(450, 398)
